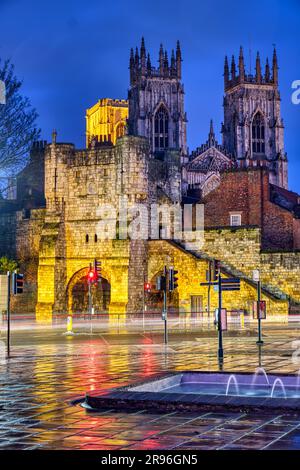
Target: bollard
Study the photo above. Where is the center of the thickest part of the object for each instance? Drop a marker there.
(69, 331)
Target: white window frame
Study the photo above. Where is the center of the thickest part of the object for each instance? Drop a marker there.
(238, 216)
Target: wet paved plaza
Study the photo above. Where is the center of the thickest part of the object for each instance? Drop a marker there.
(48, 369)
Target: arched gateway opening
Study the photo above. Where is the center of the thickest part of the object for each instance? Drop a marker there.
(78, 296)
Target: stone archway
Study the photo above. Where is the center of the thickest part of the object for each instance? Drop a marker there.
(77, 293)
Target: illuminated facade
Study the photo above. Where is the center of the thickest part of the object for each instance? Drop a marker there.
(106, 121)
(138, 149)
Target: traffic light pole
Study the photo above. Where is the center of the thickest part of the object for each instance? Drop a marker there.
(8, 312)
(165, 313)
(220, 333)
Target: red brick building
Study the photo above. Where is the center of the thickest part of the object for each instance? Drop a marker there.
(246, 198)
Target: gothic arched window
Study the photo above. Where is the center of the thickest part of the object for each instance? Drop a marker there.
(258, 134)
(120, 131)
(161, 129)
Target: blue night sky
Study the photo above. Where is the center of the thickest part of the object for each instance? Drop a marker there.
(70, 53)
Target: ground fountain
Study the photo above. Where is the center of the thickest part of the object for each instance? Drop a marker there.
(206, 390)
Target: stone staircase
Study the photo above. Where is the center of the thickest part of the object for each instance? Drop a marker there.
(271, 291)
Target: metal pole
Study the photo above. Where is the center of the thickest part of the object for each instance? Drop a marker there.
(8, 312)
(220, 349)
(260, 341)
(165, 308)
(144, 303)
(208, 291)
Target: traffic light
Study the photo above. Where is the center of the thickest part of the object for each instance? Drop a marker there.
(173, 280)
(92, 276)
(215, 270)
(18, 283)
(147, 287)
(161, 283)
(97, 267)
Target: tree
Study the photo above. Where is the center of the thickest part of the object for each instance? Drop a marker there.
(7, 264)
(18, 128)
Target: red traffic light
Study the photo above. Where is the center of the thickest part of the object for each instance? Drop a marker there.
(147, 287)
(92, 276)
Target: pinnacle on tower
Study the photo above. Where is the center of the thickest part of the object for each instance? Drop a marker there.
(143, 48)
(178, 60)
(233, 68)
(137, 59)
(161, 59)
(131, 66)
(241, 65)
(166, 64)
(275, 67)
(211, 135)
(173, 65)
(149, 68)
(143, 57)
(258, 69)
(267, 71)
(226, 72)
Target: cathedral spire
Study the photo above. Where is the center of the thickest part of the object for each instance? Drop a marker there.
(178, 60)
(275, 67)
(211, 135)
(226, 72)
(161, 59)
(233, 68)
(241, 65)
(258, 69)
(267, 71)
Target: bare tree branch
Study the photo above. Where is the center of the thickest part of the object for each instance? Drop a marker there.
(18, 128)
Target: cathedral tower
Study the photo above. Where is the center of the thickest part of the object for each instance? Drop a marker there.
(253, 127)
(156, 100)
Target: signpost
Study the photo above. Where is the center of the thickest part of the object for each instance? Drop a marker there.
(8, 312)
(221, 284)
(260, 309)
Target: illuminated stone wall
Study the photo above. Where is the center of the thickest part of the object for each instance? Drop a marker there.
(192, 271)
(106, 120)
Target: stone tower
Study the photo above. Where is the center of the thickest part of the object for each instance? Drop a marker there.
(253, 127)
(156, 100)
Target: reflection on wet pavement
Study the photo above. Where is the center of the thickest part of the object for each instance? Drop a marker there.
(45, 373)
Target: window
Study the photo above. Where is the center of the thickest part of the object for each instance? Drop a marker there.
(120, 131)
(258, 134)
(96, 238)
(161, 129)
(235, 220)
(86, 238)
